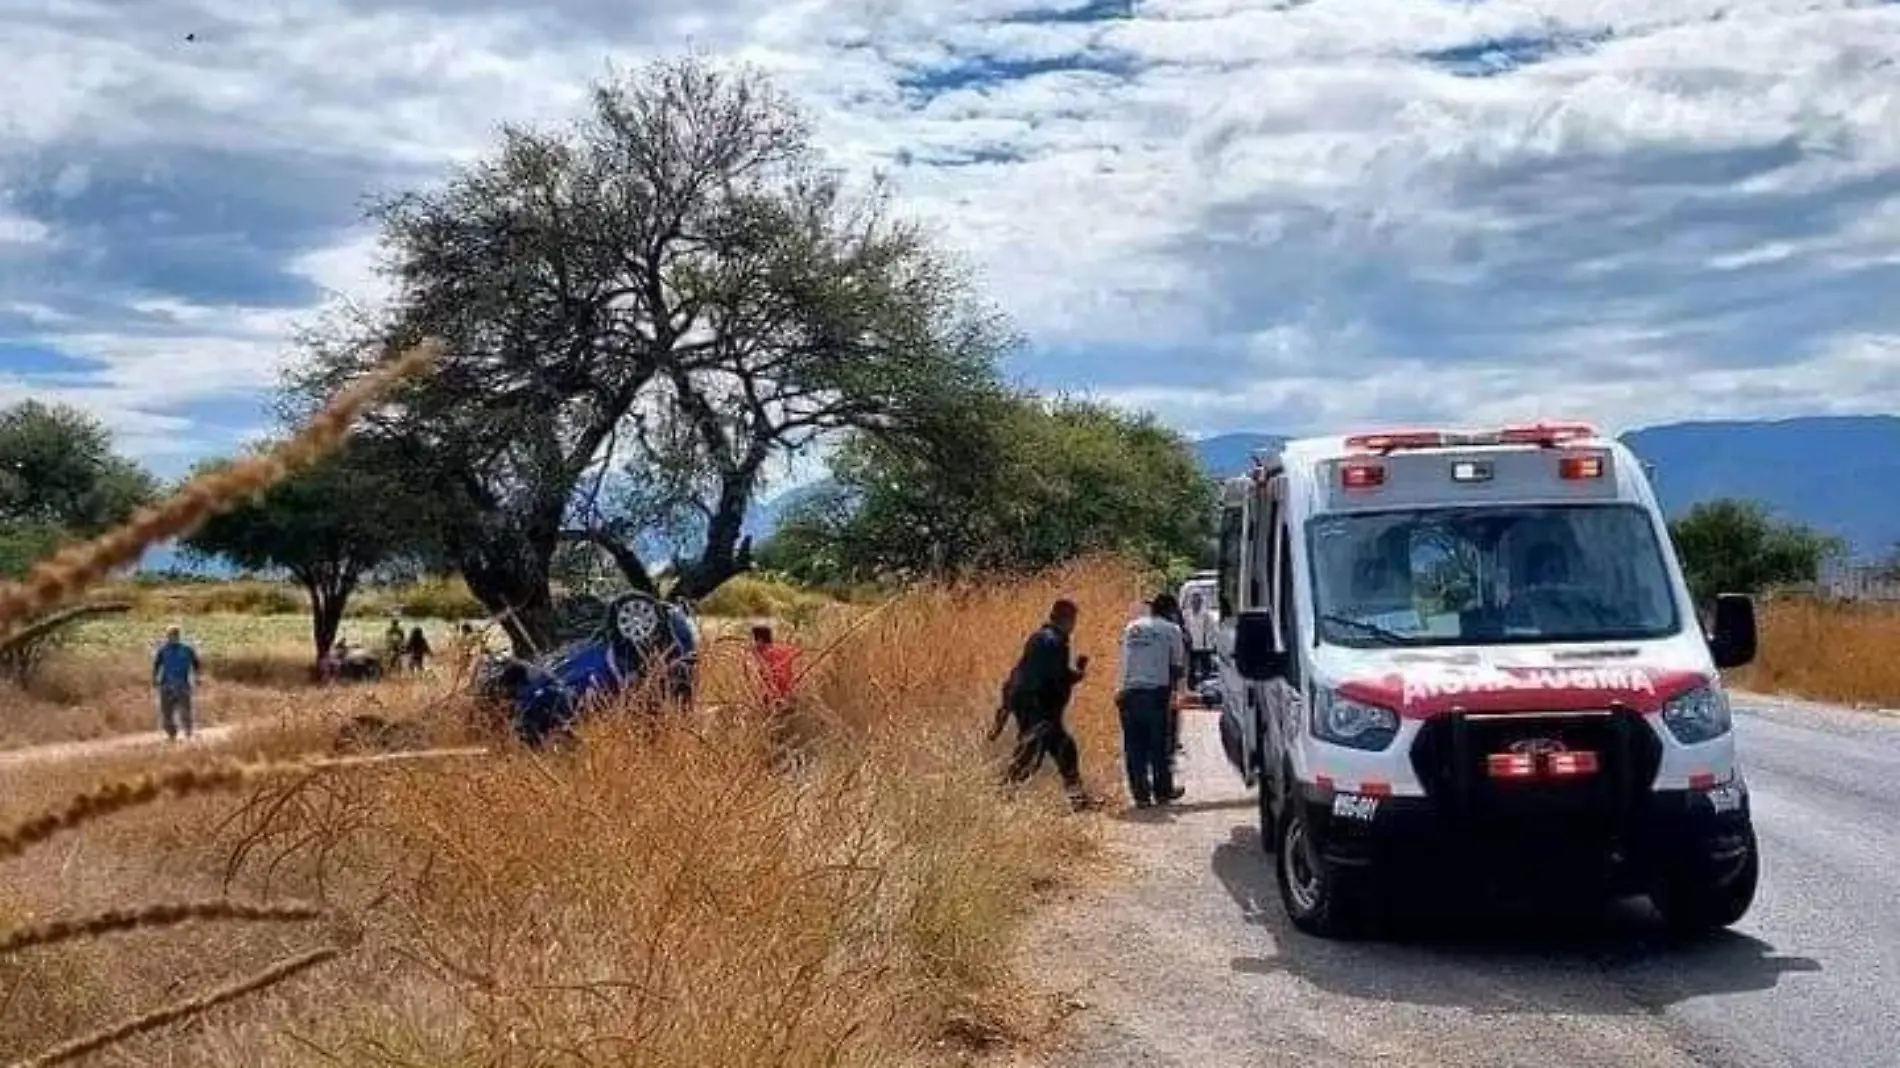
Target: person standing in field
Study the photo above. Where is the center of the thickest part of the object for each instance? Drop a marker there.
(393, 646)
(1154, 663)
(778, 667)
(175, 672)
(1037, 694)
(418, 649)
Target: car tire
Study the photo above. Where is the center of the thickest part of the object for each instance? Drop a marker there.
(1320, 898)
(1698, 903)
(638, 621)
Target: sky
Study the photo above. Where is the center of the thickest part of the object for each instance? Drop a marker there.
(1278, 216)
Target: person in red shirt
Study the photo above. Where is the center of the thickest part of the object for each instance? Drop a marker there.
(778, 666)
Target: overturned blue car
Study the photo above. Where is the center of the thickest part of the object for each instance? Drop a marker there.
(620, 646)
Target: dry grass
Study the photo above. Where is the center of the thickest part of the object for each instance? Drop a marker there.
(676, 889)
(1828, 651)
(672, 892)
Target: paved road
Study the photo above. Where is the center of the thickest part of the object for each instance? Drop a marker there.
(1191, 962)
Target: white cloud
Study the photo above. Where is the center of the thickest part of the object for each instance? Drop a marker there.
(1245, 214)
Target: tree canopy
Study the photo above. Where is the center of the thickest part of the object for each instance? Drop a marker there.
(1738, 546)
(1029, 483)
(641, 310)
(329, 526)
(60, 478)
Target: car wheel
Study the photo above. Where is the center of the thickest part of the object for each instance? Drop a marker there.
(1320, 898)
(1697, 903)
(638, 621)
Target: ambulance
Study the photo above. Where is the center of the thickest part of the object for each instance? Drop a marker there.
(1450, 654)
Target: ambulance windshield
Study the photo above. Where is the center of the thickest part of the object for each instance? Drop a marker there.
(1489, 575)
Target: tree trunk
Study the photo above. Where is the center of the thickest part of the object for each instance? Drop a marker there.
(728, 549)
(327, 601)
(519, 599)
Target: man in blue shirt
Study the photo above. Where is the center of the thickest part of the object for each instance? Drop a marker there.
(175, 670)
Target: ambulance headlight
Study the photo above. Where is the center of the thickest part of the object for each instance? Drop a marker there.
(1354, 724)
(1700, 715)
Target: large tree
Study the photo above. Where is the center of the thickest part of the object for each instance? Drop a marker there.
(641, 311)
(329, 526)
(60, 478)
(1738, 546)
(1028, 483)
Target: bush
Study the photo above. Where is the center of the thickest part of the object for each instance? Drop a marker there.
(762, 596)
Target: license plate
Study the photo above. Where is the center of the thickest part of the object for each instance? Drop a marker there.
(1355, 807)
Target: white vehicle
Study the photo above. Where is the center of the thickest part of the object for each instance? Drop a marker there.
(1205, 583)
(1450, 653)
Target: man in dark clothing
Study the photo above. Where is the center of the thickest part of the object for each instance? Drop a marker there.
(1037, 694)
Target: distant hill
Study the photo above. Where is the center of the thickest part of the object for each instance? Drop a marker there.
(1836, 473)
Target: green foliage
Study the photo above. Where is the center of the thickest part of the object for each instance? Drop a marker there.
(57, 469)
(761, 597)
(1737, 546)
(328, 525)
(1024, 485)
(642, 309)
(23, 542)
(59, 479)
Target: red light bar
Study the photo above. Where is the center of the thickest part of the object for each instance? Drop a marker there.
(1362, 476)
(1573, 468)
(1386, 441)
(1545, 433)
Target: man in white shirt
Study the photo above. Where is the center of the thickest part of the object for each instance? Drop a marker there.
(1154, 661)
(1201, 627)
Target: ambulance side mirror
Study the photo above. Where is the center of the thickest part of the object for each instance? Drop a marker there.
(1257, 654)
(1732, 639)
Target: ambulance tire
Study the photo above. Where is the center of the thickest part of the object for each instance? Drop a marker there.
(1321, 899)
(1696, 904)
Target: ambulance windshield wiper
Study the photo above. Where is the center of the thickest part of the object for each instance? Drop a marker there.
(1384, 636)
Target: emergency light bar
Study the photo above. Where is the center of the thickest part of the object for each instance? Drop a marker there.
(1365, 475)
(1544, 435)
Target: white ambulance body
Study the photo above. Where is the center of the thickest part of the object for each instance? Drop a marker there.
(1474, 653)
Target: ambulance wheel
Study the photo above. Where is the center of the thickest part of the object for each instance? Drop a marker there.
(1694, 904)
(1320, 898)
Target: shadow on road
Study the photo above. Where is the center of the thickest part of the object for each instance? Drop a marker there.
(1487, 959)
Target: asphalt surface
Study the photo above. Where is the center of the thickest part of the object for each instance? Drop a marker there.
(1191, 962)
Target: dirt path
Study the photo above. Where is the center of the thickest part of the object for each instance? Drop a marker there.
(61, 752)
(1190, 961)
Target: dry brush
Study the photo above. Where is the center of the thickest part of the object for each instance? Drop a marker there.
(672, 891)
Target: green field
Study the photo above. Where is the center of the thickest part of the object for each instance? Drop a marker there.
(216, 633)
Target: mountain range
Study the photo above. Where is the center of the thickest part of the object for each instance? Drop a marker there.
(1833, 473)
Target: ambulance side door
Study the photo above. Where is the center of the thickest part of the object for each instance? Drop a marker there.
(1278, 700)
(1239, 702)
